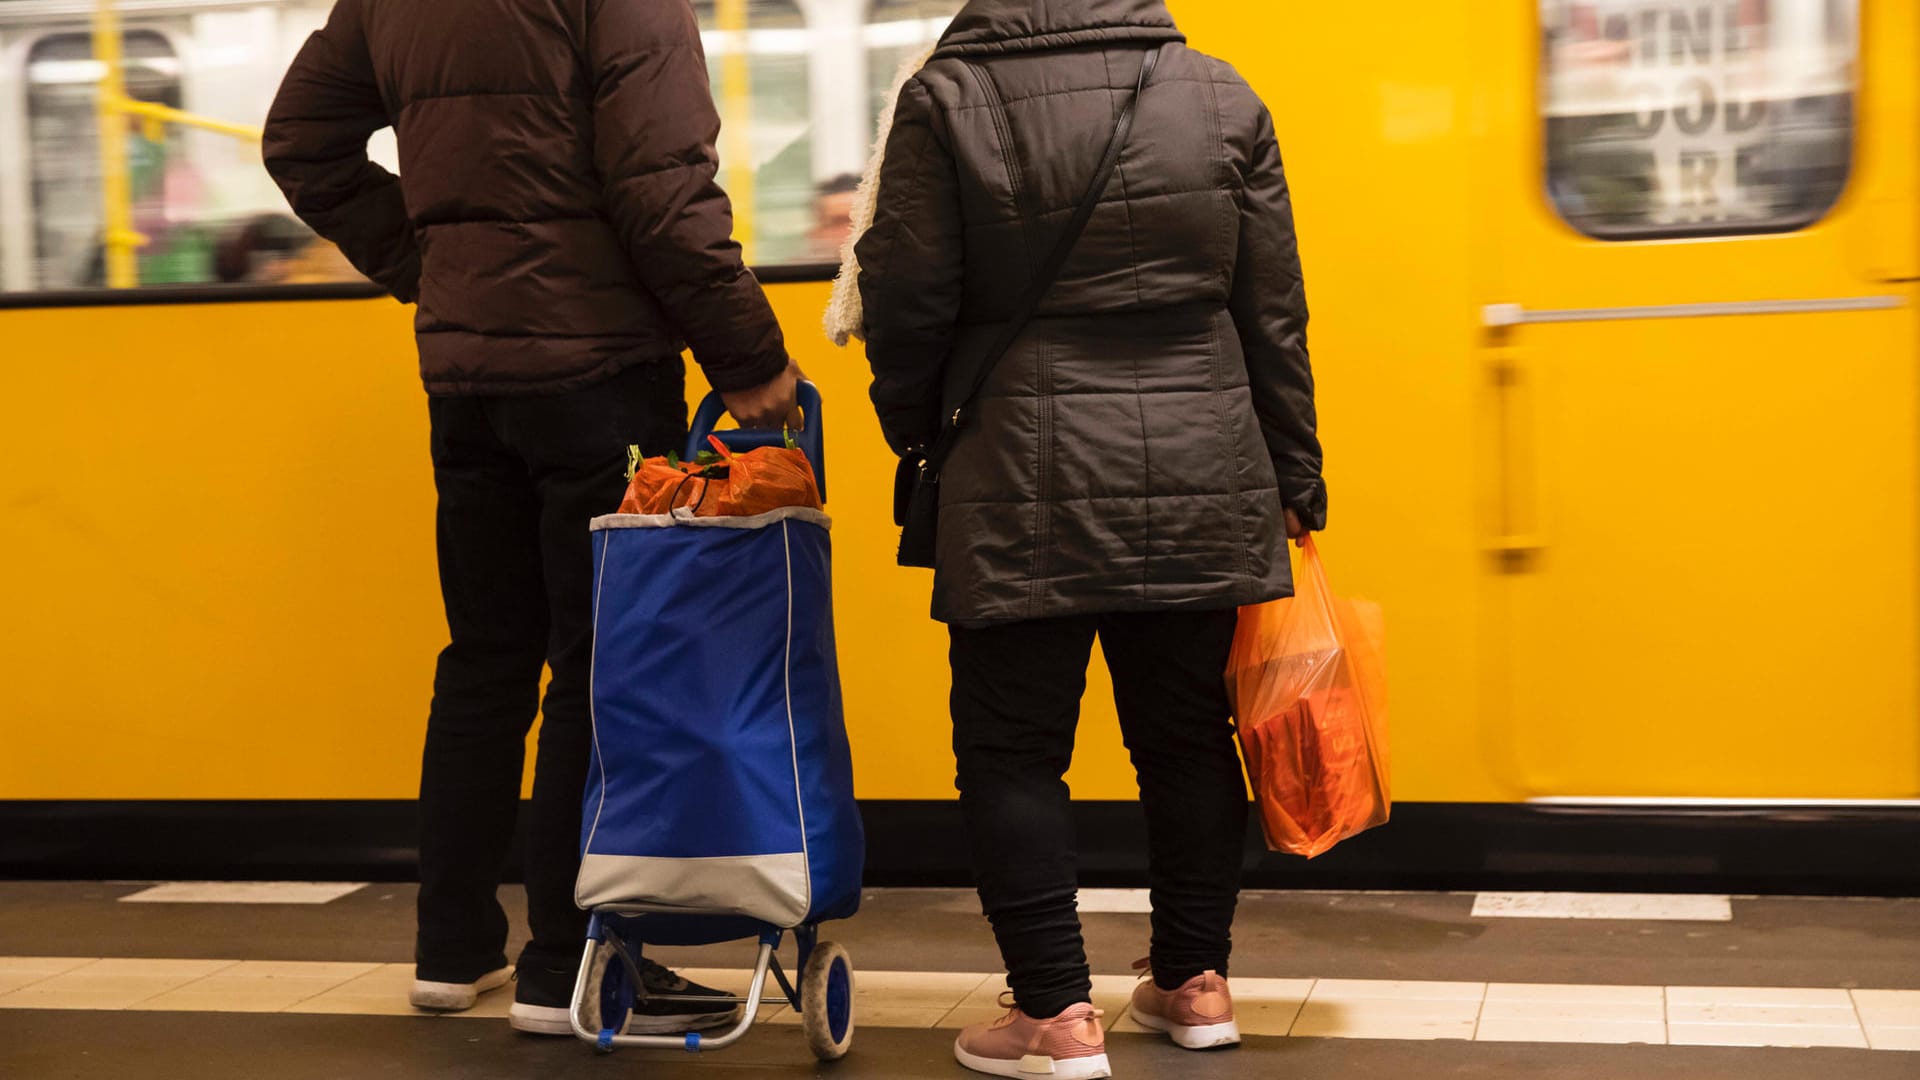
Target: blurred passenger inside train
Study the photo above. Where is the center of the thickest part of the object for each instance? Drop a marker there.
(832, 217)
(554, 300)
(1137, 455)
(275, 249)
(165, 194)
(254, 251)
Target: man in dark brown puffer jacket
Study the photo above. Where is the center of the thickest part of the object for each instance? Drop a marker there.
(557, 219)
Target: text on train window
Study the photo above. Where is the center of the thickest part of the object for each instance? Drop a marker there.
(1670, 118)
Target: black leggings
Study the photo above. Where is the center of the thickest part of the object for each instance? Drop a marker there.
(1016, 703)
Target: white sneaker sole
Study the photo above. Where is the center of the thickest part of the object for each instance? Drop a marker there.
(456, 997)
(674, 1025)
(1036, 1065)
(1200, 1037)
(546, 1020)
(540, 1019)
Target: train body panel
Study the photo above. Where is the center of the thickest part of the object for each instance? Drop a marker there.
(1644, 512)
(1702, 436)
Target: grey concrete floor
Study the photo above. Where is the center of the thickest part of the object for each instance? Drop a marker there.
(210, 1046)
(1770, 942)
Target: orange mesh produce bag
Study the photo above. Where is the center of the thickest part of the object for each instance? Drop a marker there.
(723, 484)
(1309, 688)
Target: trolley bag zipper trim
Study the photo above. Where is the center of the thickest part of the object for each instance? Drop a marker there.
(793, 738)
(683, 518)
(593, 714)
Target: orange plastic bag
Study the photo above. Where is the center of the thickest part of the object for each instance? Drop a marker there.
(1308, 682)
(656, 486)
(723, 485)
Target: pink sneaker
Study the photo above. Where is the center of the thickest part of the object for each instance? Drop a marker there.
(1070, 1046)
(1199, 1015)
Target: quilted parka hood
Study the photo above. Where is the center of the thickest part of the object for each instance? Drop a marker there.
(986, 27)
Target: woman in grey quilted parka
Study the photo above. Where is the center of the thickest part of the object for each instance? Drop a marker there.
(1131, 471)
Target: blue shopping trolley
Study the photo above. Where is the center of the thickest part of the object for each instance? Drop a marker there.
(719, 802)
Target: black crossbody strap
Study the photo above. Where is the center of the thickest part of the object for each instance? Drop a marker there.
(1045, 276)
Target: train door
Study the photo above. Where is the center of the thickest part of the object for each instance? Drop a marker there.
(1700, 408)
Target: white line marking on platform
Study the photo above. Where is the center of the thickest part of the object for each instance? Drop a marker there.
(1648, 906)
(1115, 901)
(244, 892)
(1886, 1020)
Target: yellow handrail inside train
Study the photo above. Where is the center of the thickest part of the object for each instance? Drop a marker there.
(157, 114)
(113, 105)
(115, 192)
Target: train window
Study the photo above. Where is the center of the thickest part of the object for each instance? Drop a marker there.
(799, 85)
(801, 108)
(1670, 118)
(62, 146)
(768, 98)
(205, 209)
(898, 31)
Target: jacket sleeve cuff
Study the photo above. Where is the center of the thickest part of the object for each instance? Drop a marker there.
(403, 281)
(744, 374)
(904, 440)
(1306, 496)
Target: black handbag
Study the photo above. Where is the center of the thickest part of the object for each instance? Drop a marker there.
(916, 486)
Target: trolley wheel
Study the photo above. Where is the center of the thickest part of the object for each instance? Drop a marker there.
(609, 995)
(826, 1001)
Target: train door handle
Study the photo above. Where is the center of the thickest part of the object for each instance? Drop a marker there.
(1518, 532)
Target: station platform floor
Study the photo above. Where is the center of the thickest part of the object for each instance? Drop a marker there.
(296, 981)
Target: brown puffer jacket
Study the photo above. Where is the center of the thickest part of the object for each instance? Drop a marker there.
(556, 213)
(1136, 447)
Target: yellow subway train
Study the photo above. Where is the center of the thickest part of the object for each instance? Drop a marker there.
(1616, 321)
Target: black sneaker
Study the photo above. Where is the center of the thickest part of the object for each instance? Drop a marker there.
(543, 1003)
(542, 999)
(673, 1005)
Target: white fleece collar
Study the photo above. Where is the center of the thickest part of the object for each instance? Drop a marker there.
(846, 318)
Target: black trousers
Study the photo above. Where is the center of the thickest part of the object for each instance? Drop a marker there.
(1016, 703)
(519, 480)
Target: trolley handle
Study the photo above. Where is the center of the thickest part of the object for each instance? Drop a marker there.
(811, 439)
